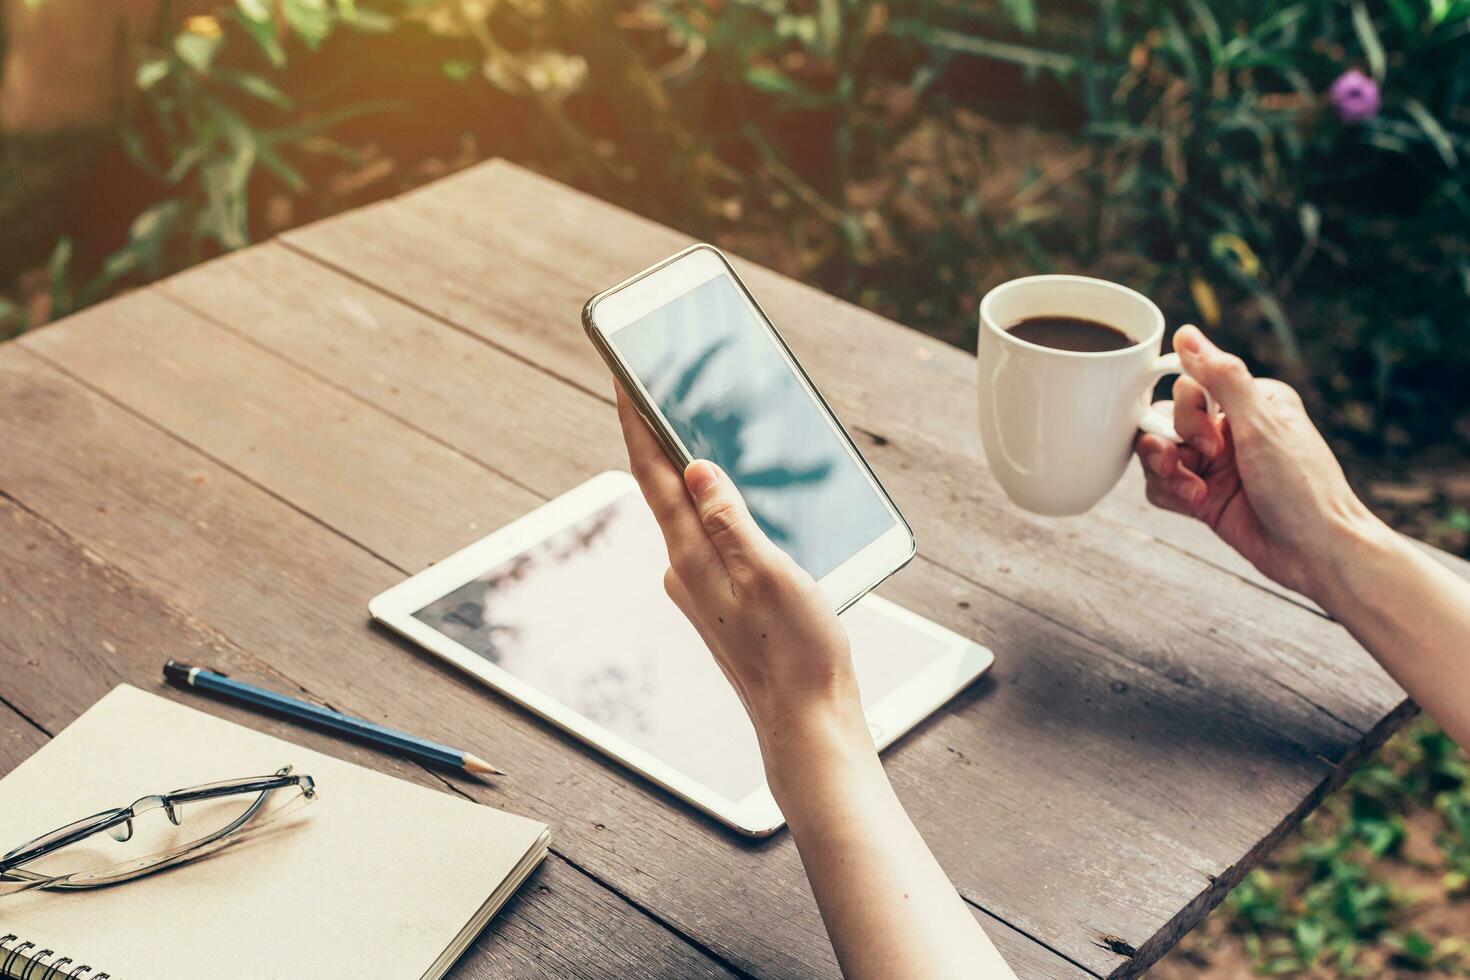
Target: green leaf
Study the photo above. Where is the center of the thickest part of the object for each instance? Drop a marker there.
(226, 181)
(264, 33)
(1433, 131)
(1019, 54)
(1311, 221)
(1405, 14)
(258, 86)
(1309, 935)
(1280, 325)
(1413, 947)
(151, 72)
(458, 69)
(196, 50)
(277, 165)
(187, 158)
(829, 25)
(312, 127)
(58, 271)
(154, 222)
(768, 79)
(1023, 12)
(347, 9)
(223, 217)
(136, 148)
(371, 22)
(256, 10)
(1368, 38)
(310, 19)
(1209, 28)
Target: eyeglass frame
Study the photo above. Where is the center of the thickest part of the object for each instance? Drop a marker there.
(108, 820)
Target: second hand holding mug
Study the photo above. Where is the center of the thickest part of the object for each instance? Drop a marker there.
(1058, 425)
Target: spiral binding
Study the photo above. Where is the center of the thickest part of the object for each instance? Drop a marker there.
(17, 963)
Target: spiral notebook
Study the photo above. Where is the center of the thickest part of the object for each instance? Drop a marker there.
(376, 878)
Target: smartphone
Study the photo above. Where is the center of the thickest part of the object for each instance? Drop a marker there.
(713, 378)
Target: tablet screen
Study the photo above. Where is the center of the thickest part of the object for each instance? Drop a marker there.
(582, 617)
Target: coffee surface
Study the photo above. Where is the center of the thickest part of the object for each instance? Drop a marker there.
(1071, 333)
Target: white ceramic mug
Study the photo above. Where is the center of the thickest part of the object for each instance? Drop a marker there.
(1058, 425)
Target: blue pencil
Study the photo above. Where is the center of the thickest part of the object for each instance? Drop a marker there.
(409, 745)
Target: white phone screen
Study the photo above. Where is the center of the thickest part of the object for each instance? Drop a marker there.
(720, 379)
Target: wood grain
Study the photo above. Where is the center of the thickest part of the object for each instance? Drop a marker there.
(252, 566)
(519, 292)
(99, 348)
(18, 739)
(260, 445)
(296, 319)
(447, 383)
(96, 627)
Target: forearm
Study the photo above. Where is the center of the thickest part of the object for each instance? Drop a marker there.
(889, 909)
(1411, 613)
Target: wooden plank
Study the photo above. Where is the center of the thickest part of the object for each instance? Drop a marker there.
(1167, 865)
(449, 384)
(18, 739)
(231, 282)
(490, 278)
(609, 937)
(293, 434)
(95, 627)
(255, 568)
(302, 317)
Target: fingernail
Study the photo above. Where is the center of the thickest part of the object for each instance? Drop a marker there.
(1207, 446)
(700, 475)
(1186, 489)
(1155, 462)
(1186, 341)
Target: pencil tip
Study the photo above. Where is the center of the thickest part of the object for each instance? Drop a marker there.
(475, 764)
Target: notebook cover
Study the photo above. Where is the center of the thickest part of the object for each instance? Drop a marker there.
(376, 878)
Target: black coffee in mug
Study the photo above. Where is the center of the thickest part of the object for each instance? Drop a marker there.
(1071, 333)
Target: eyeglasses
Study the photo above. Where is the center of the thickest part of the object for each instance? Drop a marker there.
(115, 846)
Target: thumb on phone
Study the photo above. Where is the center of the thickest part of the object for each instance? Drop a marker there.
(726, 520)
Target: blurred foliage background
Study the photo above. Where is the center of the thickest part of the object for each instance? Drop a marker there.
(1293, 175)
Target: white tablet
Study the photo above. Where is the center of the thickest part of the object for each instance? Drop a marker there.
(564, 612)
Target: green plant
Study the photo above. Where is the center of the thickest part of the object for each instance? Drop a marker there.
(211, 114)
(1227, 155)
(1327, 901)
(206, 120)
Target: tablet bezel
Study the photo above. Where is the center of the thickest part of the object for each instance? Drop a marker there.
(757, 815)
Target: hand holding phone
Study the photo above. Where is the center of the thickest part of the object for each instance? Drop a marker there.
(713, 379)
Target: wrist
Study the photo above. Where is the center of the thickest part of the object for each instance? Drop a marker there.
(820, 740)
(1357, 552)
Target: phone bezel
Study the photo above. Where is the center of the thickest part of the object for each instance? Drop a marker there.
(624, 304)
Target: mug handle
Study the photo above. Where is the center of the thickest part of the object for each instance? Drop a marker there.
(1155, 421)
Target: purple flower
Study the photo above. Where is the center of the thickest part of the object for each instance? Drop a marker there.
(1355, 96)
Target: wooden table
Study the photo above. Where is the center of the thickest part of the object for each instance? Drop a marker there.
(224, 467)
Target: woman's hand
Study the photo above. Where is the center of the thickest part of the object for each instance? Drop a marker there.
(1265, 480)
(771, 629)
(1261, 475)
(888, 906)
